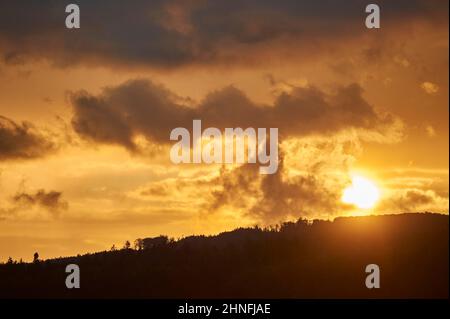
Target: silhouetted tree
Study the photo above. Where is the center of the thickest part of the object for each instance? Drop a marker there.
(155, 242)
(138, 244)
(113, 248)
(127, 245)
(36, 257)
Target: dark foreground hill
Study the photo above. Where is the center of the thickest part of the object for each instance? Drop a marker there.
(322, 259)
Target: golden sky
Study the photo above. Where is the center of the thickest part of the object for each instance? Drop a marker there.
(85, 115)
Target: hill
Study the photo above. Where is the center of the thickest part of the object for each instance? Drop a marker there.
(319, 259)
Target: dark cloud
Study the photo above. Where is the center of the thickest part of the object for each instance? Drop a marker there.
(418, 198)
(51, 200)
(122, 113)
(162, 33)
(298, 196)
(272, 198)
(142, 108)
(22, 141)
(412, 200)
(236, 186)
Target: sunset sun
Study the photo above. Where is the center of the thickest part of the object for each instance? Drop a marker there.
(362, 193)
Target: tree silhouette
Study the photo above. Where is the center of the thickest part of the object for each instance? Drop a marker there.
(303, 259)
(159, 241)
(138, 244)
(36, 257)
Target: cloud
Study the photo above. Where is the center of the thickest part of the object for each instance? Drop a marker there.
(309, 182)
(327, 128)
(300, 195)
(303, 186)
(413, 200)
(28, 205)
(276, 197)
(141, 108)
(320, 132)
(23, 141)
(122, 113)
(168, 34)
(51, 200)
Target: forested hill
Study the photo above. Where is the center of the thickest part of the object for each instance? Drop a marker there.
(320, 259)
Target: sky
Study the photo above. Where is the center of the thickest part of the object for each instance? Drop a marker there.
(86, 115)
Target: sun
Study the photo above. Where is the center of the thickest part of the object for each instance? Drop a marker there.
(363, 193)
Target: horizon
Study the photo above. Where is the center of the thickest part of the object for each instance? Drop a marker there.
(269, 228)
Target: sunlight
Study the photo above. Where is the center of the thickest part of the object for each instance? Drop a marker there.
(363, 193)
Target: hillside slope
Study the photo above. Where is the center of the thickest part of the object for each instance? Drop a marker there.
(322, 259)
